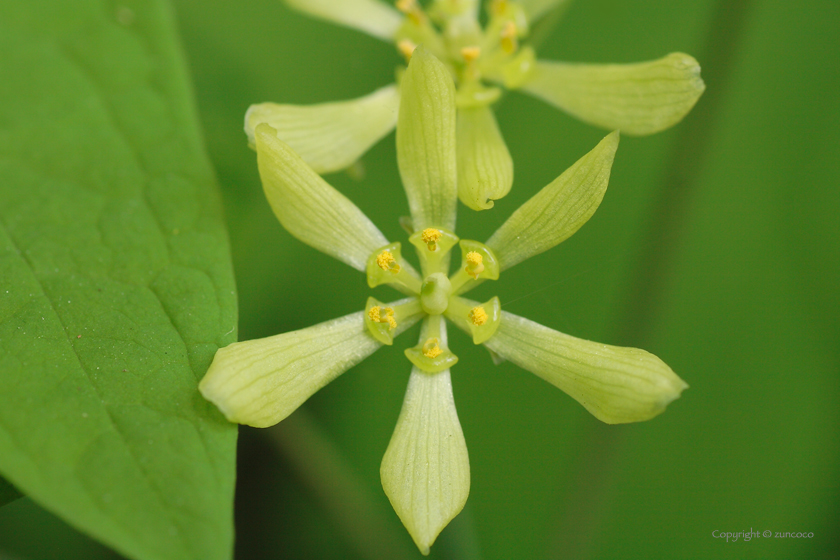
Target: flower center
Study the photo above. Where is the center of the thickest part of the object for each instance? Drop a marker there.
(435, 292)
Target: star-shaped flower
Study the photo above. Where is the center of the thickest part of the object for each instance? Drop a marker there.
(638, 99)
(425, 470)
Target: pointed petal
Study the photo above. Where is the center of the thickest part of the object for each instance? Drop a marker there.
(485, 168)
(638, 99)
(615, 384)
(558, 210)
(329, 136)
(368, 16)
(426, 142)
(260, 382)
(426, 469)
(535, 9)
(309, 208)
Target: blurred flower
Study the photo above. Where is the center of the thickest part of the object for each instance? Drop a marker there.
(425, 470)
(638, 99)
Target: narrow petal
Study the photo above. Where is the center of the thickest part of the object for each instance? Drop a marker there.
(638, 99)
(485, 168)
(260, 382)
(426, 142)
(615, 384)
(558, 210)
(329, 136)
(535, 9)
(426, 470)
(309, 208)
(368, 16)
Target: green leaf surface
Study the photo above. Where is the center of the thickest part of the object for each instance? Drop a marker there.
(116, 283)
(8, 493)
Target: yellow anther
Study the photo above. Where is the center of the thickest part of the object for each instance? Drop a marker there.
(375, 315)
(389, 318)
(430, 237)
(470, 53)
(411, 9)
(386, 261)
(498, 7)
(406, 48)
(478, 316)
(509, 43)
(475, 265)
(431, 348)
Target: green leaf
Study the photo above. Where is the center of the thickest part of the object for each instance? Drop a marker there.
(8, 493)
(116, 284)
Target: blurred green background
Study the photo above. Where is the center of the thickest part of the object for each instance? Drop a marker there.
(717, 248)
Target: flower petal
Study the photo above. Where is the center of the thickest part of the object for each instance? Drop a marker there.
(638, 99)
(369, 16)
(535, 9)
(426, 469)
(309, 208)
(426, 141)
(615, 384)
(260, 382)
(329, 136)
(485, 168)
(558, 210)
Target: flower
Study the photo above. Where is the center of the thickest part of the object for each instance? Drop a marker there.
(638, 99)
(425, 470)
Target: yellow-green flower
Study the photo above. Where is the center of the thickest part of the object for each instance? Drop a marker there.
(637, 99)
(425, 470)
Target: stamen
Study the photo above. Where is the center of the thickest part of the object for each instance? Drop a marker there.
(406, 48)
(475, 264)
(411, 9)
(431, 348)
(478, 316)
(375, 315)
(470, 54)
(498, 7)
(386, 261)
(509, 43)
(392, 323)
(430, 237)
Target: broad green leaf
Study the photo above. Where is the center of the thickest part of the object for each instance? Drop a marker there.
(115, 281)
(8, 493)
